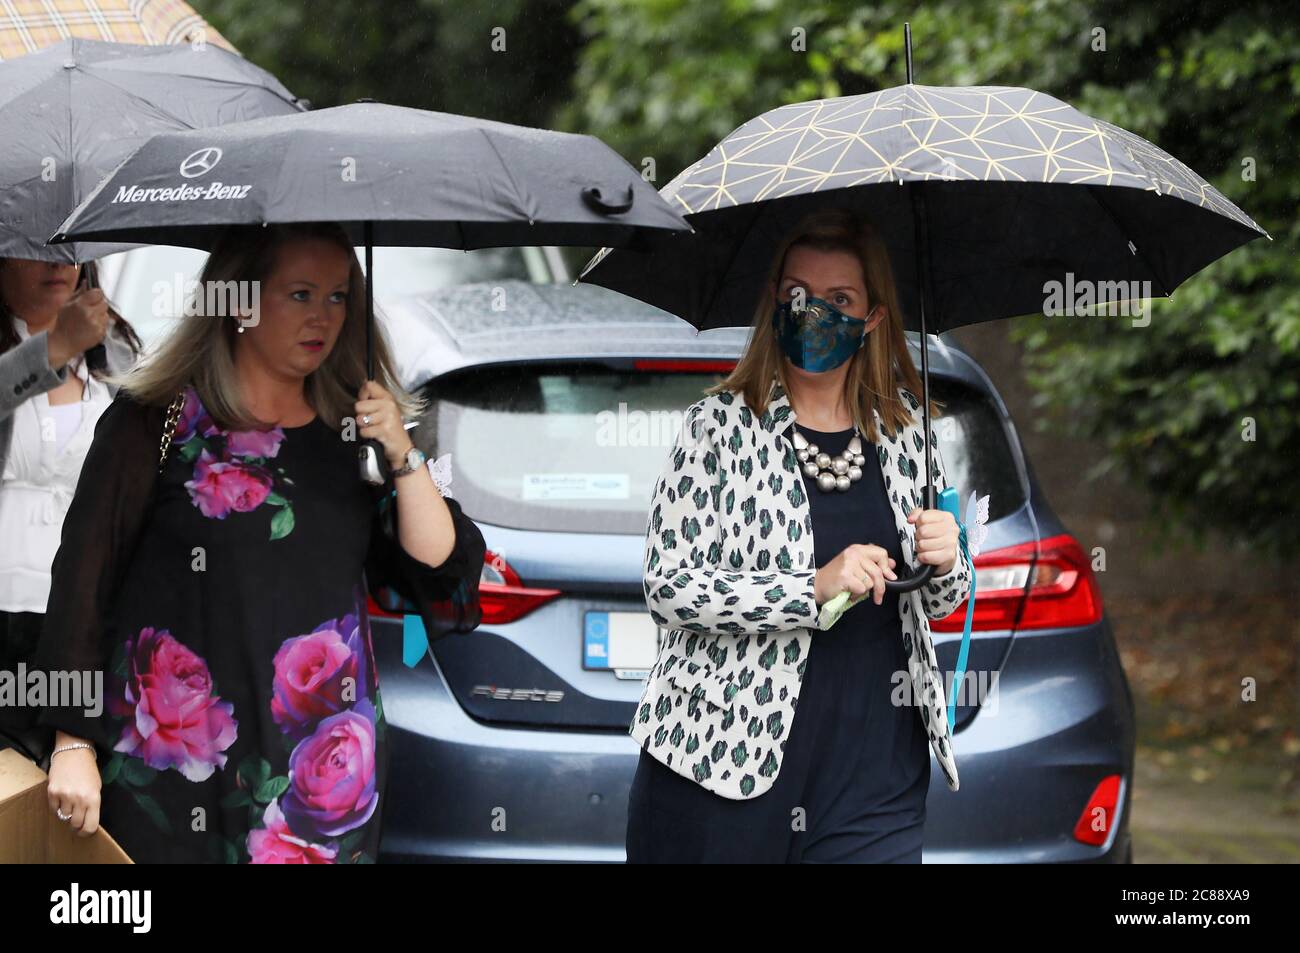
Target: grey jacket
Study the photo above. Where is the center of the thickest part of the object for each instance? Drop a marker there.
(25, 372)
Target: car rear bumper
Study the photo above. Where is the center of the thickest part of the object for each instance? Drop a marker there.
(461, 790)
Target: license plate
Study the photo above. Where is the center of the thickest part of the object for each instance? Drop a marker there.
(625, 643)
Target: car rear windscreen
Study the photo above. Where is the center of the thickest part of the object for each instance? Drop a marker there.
(578, 447)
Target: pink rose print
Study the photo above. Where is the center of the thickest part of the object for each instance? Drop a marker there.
(194, 418)
(318, 675)
(276, 844)
(332, 776)
(225, 478)
(254, 443)
(176, 721)
(218, 487)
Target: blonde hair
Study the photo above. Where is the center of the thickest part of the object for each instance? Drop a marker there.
(201, 348)
(877, 370)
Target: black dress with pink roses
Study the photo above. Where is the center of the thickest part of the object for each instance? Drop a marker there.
(226, 605)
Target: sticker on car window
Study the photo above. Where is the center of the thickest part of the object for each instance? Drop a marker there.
(575, 486)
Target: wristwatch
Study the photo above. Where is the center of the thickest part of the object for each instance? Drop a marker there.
(414, 460)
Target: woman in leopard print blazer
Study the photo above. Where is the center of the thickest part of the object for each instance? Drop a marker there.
(750, 532)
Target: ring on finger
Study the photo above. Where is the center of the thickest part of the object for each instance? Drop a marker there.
(365, 420)
(58, 812)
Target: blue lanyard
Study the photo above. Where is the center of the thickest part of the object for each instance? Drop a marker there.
(949, 501)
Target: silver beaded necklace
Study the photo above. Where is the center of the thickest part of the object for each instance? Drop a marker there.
(831, 473)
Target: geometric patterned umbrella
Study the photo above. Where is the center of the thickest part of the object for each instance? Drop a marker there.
(982, 195)
(30, 25)
(1020, 188)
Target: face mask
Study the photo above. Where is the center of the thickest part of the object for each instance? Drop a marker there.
(819, 338)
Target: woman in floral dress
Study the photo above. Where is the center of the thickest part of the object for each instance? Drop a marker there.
(225, 597)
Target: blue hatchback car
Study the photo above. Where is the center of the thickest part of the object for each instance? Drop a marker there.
(558, 406)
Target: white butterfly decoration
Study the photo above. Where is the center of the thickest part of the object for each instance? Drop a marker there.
(977, 514)
(440, 470)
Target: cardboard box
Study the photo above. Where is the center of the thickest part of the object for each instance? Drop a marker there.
(29, 831)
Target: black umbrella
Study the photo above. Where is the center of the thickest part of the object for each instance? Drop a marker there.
(983, 194)
(72, 112)
(390, 175)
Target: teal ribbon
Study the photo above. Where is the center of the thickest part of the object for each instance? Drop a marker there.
(949, 501)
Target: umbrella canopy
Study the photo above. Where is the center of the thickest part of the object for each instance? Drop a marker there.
(1019, 189)
(30, 25)
(390, 175)
(71, 113)
(983, 195)
(414, 177)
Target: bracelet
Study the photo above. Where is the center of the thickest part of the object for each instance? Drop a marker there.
(79, 744)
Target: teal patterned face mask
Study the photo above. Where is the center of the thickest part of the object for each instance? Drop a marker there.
(818, 338)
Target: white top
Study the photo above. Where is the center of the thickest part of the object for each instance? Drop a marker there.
(66, 418)
(40, 474)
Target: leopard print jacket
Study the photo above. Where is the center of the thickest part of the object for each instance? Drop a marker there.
(729, 573)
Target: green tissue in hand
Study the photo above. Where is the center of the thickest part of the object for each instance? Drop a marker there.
(835, 607)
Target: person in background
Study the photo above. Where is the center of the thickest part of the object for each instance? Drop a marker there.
(51, 313)
(225, 595)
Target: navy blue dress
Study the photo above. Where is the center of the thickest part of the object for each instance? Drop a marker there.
(856, 767)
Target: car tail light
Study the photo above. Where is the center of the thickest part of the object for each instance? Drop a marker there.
(375, 610)
(1045, 586)
(674, 365)
(503, 595)
(1098, 815)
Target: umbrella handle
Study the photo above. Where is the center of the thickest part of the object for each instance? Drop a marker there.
(374, 468)
(591, 195)
(914, 581)
(97, 356)
(923, 572)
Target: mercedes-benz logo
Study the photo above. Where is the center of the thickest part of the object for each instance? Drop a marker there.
(201, 162)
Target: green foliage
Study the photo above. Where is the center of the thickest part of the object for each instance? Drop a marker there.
(432, 54)
(1215, 84)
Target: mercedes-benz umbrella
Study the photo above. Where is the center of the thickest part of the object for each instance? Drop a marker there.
(71, 113)
(390, 175)
(983, 195)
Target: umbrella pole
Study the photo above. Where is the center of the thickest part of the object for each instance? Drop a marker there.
(921, 239)
(370, 300)
(374, 468)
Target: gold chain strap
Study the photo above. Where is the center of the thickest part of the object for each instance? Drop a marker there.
(169, 428)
